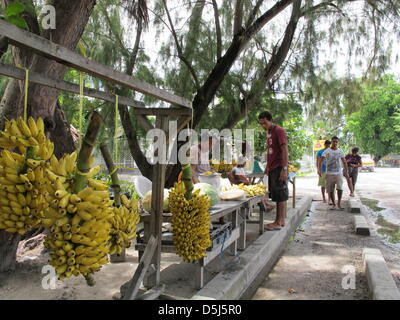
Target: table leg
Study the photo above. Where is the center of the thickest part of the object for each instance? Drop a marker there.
(294, 192)
(146, 226)
(199, 276)
(261, 220)
(242, 238)
(234, 219)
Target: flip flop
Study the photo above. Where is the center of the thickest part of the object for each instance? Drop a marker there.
(341, 209)
(333, 208)
(271, 229)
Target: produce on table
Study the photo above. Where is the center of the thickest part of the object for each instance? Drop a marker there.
(221, 166)
(190, 218)
(146, 201)
(251, 190)
(23, 182)
(234, 194)
(208, 190)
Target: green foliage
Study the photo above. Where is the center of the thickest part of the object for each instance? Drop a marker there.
(298, 139)
(12, 14)
(374, 125)
(286, 113)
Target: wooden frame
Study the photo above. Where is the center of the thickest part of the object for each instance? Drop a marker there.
(53, 51)
(24, 39)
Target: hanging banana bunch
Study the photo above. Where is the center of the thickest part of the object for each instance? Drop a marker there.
(126, 214)
(123, 225)
(79, 212)
(190, 219)
(23, 182)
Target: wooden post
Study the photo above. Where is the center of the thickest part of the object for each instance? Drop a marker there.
(157, 202)
(294, 192)
(242, 239)
(141, 270)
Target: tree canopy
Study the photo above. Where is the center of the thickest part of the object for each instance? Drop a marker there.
(374, 124)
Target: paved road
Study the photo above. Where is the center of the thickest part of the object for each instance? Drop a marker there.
(382, 185)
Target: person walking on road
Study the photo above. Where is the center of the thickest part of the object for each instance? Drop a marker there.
(333, 157)
(277, 168)
(353, 163)
(322, 178)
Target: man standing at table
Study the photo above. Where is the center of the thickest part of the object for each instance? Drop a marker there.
(277, 168)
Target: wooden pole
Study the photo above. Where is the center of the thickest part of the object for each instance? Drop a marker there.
(113, 173)
(157, 203)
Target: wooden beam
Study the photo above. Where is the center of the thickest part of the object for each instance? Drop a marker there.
(164, 111)
(51, 50)
(37, 78)
(141, 270)
(153, 293)
(139, 106)
(145, 123)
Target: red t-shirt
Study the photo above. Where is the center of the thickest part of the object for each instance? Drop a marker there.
(275, 140)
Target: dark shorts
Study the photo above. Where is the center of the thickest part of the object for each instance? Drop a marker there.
(278, 190)
(353, 175)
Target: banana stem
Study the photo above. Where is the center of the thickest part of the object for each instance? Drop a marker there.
(113, 173)
(29, 155)
(90, 280)
(187, 180)
(85, 152)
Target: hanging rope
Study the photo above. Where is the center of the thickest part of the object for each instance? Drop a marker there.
(26, 94)
(81, 86)
(26, 90)
(116, 130)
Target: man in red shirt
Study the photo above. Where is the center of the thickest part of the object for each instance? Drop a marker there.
(277, 168)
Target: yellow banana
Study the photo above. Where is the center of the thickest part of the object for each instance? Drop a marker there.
(33, 127)
(24, 128)
(40, 125)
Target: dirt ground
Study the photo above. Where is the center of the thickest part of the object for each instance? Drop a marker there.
(311, 265)
(323, 248)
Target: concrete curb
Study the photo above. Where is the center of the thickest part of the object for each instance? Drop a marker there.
(255, 262)
(355, 205)
(380, 281)
(361, 225)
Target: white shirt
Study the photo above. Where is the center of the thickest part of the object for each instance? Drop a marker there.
(333, 163)
(200, 158)
(238, 171)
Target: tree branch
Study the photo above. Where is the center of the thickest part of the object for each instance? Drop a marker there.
(238, 16)
(179, 48)
(278, 57)
(218, 29)
(206, 93)
(254, 13)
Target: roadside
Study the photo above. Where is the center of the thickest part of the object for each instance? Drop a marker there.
(323, 249)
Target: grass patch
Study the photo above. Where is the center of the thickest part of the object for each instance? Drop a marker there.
(371, 203)
(391, 230)
(305, 173)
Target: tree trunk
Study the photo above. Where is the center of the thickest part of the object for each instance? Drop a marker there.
(8, 250)
(71, 19)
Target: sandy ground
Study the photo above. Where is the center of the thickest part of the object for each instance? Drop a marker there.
(325, 245)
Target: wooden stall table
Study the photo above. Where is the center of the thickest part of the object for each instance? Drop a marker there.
(250, 203)
(233, 209)
(253, 176)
